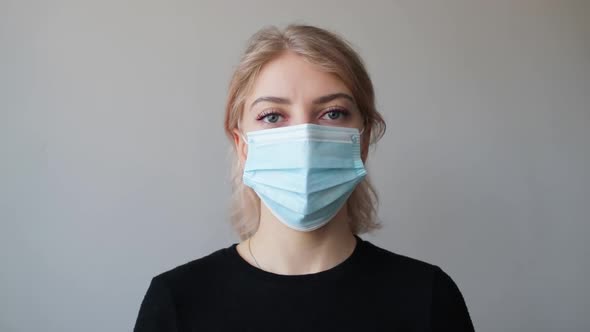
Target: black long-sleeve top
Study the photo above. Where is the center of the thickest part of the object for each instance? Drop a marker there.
(372, 290)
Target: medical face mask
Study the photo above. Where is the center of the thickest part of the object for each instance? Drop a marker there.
(304, 173)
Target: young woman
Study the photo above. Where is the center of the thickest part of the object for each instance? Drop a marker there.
(301, 117)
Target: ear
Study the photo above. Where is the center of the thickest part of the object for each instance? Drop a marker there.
(365, 142)
(240, 146)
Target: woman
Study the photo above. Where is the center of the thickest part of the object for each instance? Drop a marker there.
(301, 117)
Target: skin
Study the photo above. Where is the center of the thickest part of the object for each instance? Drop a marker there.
(278, 248)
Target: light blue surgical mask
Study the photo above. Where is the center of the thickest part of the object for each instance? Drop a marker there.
(304, 173)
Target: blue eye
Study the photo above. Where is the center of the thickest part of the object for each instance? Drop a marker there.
(335, 114)
(269, 117)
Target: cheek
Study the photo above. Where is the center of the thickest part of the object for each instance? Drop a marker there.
(357, 119)
(248, 122)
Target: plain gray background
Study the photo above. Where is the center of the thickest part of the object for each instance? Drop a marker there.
(114, 164)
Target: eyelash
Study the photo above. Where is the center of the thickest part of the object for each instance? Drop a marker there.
(266, 113)
(343, 112)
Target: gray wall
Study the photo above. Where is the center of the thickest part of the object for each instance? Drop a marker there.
(113, 162)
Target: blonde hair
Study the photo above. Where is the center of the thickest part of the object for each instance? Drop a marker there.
(332, 54)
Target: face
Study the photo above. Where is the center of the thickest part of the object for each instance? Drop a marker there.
(291, 91)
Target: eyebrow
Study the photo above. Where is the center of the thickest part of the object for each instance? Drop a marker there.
(317, 101)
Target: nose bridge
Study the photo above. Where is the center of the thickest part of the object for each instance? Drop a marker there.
(302, 113)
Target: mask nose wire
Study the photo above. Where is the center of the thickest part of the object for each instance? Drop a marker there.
(246, 141)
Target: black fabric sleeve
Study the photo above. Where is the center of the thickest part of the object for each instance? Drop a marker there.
(157, 312)
(449, 311)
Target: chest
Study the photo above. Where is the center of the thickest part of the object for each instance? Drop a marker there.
(338, 306)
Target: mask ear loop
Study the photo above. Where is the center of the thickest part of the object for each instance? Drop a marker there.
(242, 134)
(243, 139)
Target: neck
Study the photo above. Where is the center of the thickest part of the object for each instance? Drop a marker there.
(282, 250)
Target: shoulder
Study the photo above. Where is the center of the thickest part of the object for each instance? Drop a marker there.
(448, 310)
(202, 269)
(386, 261)
(170, 289)
(409, 271)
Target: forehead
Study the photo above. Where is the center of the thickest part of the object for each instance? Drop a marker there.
(291, 76)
